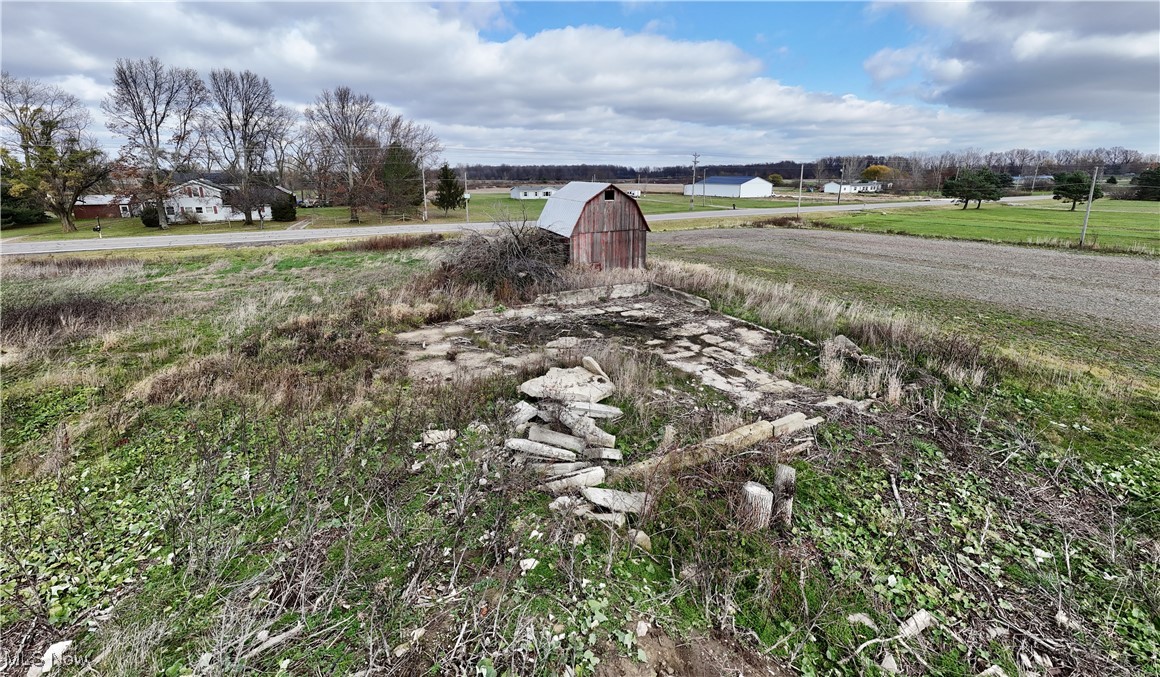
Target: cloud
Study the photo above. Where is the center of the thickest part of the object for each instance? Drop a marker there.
(1096, 61)
(573, 93)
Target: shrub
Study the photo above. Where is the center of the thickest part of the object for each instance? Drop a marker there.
(149, 217)
(285, 209)
(517, 264)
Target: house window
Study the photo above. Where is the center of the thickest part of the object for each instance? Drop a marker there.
(169, 211)
(609, 195)
(525, 193)
(198, 209)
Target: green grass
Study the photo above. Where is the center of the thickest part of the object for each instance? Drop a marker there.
(131, 227)
(1119, 225)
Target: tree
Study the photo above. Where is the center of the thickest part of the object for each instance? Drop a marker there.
(343, 119)
(448, 192)
(158, 110)
(1073, 187)
(57, 170)
(973, 184)
(877, 173)
(776, 179)
(246, 118)
(55, 164)
(401, 187)
(1111, 181)
(1147, 184)
(19, 210)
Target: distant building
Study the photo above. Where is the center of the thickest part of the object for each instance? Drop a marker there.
(856, 187)
(603, 224)
(731, 186)
(105, 207)
(532, 192)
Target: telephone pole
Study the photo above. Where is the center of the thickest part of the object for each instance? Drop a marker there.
(423, 174)
(467, 202)
(693, 186)
(801, 179)
(1088, 213)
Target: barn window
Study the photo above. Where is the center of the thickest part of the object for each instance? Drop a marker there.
(609, 195)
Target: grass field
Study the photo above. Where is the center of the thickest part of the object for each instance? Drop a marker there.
(1120, 225)
(204, 449)
(484, 207)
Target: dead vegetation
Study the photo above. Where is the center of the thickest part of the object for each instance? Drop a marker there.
(387, 243)
(516, 264)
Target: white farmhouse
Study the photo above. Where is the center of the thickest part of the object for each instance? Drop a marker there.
(856, 187)
(731, 186)
(204, 201)
(532, 192)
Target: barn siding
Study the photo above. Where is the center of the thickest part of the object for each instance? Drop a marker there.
(610, 233)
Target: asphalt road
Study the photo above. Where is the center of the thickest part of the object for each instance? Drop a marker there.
(1124, 290)
(265, 237)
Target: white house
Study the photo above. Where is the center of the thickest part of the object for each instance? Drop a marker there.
(856, 187)
(731, 186)
(532, 192)
(205, 201)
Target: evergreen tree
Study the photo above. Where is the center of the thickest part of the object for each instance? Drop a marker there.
(402, 185)
(1073, 187)
(20, 210)
(1147, 184)
(973, 184)
(448, 192)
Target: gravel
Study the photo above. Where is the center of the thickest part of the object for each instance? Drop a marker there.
(1124, 290)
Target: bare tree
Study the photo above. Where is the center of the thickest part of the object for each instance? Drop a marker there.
(28, 107)
(340, 118)
(157, 109)
(57, 162)
(246, 119)
(282, 137)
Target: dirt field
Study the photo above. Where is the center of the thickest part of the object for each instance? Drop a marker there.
(1120, 289)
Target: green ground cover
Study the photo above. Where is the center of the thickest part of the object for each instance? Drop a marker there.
(203, 446)
(1115, 225)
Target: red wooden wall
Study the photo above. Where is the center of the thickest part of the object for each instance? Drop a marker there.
(610, 233)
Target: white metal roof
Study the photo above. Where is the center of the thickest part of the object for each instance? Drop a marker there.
(104, 199)
(562, 211)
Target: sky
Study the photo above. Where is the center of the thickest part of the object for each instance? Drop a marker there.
(651, 83)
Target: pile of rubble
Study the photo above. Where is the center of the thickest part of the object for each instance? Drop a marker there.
(569, 399)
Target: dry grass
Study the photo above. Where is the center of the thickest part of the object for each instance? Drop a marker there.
(53, 267)
(386, 243)
(38, 324)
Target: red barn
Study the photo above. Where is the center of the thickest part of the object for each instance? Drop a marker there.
(604, 225)
(104, 206)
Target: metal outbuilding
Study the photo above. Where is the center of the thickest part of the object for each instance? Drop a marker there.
(604, 225)
(731, 186)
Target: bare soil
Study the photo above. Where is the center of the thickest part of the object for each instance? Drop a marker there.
(1124, 290)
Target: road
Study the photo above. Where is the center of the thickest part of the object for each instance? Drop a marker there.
(1124, 290)
(266, 237)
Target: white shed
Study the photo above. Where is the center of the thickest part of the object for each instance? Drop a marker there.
(731, 186)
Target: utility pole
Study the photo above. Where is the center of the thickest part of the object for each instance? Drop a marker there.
(693, 187)
(467, 202)
(841, 175)
(1088, 213)
(1035, 175)
(801, 178)
(423, 173)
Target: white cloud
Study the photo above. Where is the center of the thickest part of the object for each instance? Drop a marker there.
(578, 94)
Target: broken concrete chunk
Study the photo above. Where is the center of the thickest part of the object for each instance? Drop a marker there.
(617, 501)
(641, 540)
(555, 469)
(588, 477)
(593, 366)
(913, 626)
(522, 412)
(602, 454)
(576, 384)
(845, 346)
(539, 450)
(565, 504)
(593, 410)
(586, 429)
(615, 519)
(433, 437)
(539, 433)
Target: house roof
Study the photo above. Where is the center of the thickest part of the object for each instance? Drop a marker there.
(729, 180)
(533, 188)
(103, 199)
(563, 209)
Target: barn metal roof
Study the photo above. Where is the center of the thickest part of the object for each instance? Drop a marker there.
(562, 211)
(729, 180)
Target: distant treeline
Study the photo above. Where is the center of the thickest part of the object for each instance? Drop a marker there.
(674, 174)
